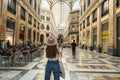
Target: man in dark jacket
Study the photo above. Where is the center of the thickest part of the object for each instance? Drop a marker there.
(73, 48)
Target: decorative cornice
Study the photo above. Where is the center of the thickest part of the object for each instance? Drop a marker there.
(29, 7)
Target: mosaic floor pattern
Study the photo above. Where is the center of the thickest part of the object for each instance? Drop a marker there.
(94, 76)
(87, 66)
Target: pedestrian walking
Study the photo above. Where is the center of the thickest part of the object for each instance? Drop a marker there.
(73, 45)
(8, 44)
(52, 54)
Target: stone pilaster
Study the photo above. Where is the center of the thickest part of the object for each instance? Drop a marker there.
(112, 42)
(17, 24)
(99, 36)
(0, 20)
(91, 33)
(26, 26)
(3, 20)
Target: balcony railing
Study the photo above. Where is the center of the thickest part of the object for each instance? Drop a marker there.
(11, 9)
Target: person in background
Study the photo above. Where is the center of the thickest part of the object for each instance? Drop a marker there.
(52, 54)
(73, 45)
(8, 44)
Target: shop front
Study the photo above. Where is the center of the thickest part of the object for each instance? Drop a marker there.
(94, 38)
(88, 39)
(29, 34)
(105, 37)
(10, 31)
(118, 36)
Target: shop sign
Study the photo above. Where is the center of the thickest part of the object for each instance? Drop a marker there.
(105, 34)
(9, 31)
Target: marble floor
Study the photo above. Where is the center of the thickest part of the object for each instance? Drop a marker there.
(86, 66)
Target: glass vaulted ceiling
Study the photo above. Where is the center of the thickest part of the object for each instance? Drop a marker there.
(61, 9)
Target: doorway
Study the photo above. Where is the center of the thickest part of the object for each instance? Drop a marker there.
(42, 39)
(118, 36)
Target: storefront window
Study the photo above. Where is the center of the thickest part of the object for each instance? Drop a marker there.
(37, 36)
(34, 36)
(105, 30)
(94, 38)
(10, 31)
(29, 33)
(105, 36)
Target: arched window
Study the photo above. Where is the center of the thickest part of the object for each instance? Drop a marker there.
(47, 28)
(42, 26)
(47, 35)
(73, 28)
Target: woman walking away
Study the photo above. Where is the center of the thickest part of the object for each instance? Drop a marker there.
(52, 55)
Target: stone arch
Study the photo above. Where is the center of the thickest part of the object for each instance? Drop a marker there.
(42, 39)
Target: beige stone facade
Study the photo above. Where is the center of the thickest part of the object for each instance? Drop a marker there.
(47, 23)
(98, 25)
(73, 26)
(20, 21)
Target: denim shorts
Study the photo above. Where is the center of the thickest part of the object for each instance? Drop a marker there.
(52, 66)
